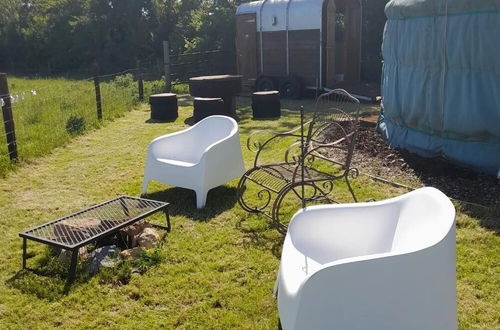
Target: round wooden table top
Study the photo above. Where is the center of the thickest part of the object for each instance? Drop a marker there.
(223, 77)
(208, 99)
(266, 93)
(163, 95)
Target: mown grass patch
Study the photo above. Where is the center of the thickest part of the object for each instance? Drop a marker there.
(219, 263)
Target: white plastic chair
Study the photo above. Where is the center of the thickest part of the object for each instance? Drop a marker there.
(200, 158)
(381, 265)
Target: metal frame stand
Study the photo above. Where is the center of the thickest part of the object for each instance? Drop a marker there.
(167, 220)
(75, 249)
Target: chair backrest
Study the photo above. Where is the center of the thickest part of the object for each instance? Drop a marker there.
(403, 224)
(335, 118)
(213, 129)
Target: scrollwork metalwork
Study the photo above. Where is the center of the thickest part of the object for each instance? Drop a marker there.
(352, 172)
(263, 195)
(331, 130)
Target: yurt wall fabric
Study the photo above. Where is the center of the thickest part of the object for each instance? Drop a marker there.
(441, 79)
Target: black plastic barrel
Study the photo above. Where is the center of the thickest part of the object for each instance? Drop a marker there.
(208, 106)
(266, 104)
(164, 107)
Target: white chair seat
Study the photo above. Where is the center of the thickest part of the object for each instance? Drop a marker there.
(383, 265)
(200, 158)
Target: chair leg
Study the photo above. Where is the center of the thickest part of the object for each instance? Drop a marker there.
(201, 198)
(145, 183)
(350, 188)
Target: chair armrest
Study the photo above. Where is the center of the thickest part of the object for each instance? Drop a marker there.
(166, 145)
(222, 161)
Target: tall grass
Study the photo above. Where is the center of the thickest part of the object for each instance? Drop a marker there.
(43, 107)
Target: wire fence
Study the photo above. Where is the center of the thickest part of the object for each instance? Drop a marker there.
(39, 115)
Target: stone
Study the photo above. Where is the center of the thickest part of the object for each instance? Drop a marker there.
(65, 255)
(102, 257)
(134, 230)
(148, 238)
(131, 253)
(68, 229)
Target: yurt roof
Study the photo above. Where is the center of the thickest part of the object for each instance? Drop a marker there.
(401, 9)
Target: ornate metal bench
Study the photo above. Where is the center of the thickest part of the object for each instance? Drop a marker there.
(320, 153)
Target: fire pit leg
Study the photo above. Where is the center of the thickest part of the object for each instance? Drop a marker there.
(24, 253)
(72, 267)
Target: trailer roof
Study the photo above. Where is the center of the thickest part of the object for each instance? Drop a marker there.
(302, 14)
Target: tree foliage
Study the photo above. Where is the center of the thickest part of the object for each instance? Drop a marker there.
(66, 36)
(59, 36)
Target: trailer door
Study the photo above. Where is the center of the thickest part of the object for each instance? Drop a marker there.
(246, 45)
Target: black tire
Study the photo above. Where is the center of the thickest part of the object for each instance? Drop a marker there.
(265, 83)
(291, 88)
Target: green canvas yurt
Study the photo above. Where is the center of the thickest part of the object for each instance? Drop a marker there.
(441, 80)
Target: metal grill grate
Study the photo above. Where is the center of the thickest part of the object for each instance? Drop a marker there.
(81, 227)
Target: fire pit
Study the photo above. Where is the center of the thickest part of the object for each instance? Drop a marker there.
(76, 230)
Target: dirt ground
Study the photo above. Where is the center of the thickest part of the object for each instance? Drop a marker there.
(373, 156)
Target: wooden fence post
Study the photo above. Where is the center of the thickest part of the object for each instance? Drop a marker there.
(8, 118)
(166, 64)
(140, 84)
(97, 91)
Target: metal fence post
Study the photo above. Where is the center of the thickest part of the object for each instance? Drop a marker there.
(8, 118)
(140, 84)
(97, 91)
(166, 64)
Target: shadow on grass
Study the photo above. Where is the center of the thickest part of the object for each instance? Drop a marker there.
(158, 121)
(38, 284)
(261, 234)
(488, 217)
(48, 279)
(183, 202)
(190, 121)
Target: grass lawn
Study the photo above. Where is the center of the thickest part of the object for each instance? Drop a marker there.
(220, 263)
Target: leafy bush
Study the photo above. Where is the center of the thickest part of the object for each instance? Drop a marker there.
(75, 125)
(180, 88)
(153, 87)
(124, 81)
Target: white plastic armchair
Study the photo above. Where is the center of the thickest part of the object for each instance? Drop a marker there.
(200, 158)
(381, 265)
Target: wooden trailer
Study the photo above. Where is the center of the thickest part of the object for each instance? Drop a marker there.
(289, 45)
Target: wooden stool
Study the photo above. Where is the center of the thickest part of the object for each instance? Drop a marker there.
(207, 106)
(266, 104)
(164, 106)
